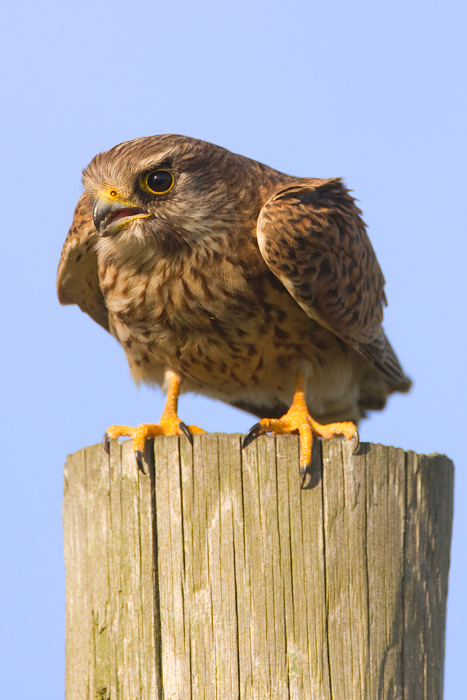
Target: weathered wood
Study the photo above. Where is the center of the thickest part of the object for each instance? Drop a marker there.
(217, 577)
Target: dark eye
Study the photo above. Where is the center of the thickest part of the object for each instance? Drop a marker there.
(160, 181)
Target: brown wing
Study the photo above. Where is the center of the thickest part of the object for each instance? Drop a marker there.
(312, 238)
(77, 278)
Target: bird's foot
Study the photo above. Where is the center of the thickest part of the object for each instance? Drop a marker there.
(298, 420)
(168, 425)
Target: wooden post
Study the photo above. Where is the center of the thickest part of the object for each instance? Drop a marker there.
(217, 577)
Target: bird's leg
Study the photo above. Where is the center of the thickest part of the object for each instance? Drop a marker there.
(169, 423)
(297, 419)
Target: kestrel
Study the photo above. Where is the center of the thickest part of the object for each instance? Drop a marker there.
(222, 276)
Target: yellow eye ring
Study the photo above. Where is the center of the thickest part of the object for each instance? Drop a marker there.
(159, 181)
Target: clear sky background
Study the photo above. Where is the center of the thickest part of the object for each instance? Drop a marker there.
(372, 91)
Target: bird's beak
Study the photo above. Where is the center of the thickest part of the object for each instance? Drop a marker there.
(110, 215)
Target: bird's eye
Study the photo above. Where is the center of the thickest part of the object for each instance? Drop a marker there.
(160, 181)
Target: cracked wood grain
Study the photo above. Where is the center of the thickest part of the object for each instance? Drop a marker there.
(217, 577)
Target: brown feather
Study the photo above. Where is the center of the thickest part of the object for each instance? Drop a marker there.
(189, 289)
(312, 237)
(77, 275)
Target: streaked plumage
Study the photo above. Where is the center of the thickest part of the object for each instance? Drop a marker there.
(236, 279)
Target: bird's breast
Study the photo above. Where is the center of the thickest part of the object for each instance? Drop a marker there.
(226, 330)
(193, 317)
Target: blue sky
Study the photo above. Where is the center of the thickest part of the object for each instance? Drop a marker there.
(374, 92)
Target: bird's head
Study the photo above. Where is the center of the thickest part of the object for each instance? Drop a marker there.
(169, 190)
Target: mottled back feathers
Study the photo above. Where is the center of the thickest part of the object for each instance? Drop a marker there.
(238, 277)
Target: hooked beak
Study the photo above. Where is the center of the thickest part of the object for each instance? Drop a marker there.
(110, 215)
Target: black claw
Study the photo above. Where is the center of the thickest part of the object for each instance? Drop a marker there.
(139, 460)
(357, 442)
(184, 428)
(251, 435)
(106, 443)
(304, 470)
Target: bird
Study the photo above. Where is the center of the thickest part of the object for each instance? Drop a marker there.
(222, 276)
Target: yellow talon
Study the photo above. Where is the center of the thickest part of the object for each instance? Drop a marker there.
(169, 423)
(297, 419)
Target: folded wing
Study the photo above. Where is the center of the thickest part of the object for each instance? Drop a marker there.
(77, 275)
(312, 238)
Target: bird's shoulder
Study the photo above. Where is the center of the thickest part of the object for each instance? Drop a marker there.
(77, 275)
